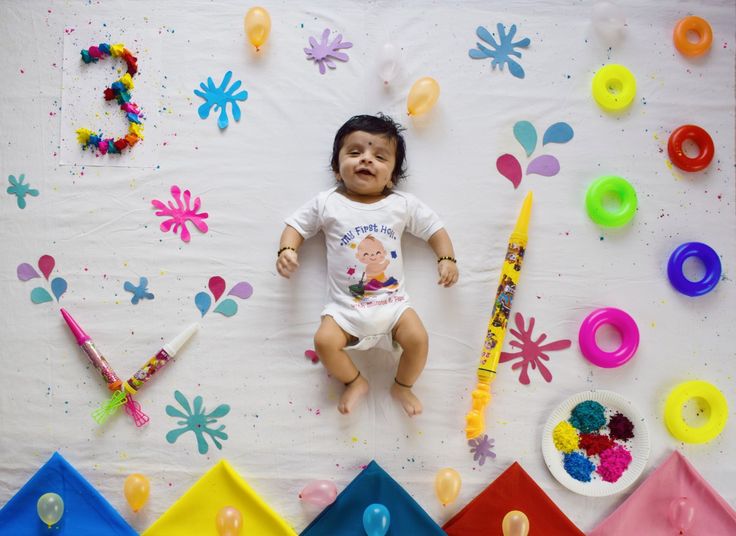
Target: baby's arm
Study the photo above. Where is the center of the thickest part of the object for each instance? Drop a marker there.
(287, 262)
(442, 246)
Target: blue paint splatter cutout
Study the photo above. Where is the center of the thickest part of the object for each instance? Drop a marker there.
(20, 189)
(219, 97)
(502, 51)
(140, 292)
(195, 419)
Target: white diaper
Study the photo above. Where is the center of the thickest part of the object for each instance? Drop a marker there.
(372, 326)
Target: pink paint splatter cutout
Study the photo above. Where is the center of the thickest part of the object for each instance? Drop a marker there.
(180, 213)
(531, 352)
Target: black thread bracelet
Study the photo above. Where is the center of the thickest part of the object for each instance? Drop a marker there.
(452, 259)
(281, 250)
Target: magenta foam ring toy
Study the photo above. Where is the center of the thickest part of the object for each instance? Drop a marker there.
(623, 323)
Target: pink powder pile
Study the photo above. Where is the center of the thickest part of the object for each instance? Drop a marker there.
(614, 462)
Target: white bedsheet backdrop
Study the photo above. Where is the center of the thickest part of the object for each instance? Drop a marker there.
(284, 430)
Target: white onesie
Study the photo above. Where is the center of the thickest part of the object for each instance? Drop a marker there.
(365, 269)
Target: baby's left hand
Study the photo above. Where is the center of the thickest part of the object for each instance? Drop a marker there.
(448, 273)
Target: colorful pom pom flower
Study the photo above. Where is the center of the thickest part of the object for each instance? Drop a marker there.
(120, 91)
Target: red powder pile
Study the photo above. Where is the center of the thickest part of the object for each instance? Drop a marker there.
(621, 427)
(594, 443)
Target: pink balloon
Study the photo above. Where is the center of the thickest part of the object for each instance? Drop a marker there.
(681, 514)
(46, 263)
(508, 166)
(319, 493)
(217, 286)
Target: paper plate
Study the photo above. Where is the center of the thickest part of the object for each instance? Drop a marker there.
(638, 445)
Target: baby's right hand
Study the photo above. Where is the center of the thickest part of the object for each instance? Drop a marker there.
(287, 263)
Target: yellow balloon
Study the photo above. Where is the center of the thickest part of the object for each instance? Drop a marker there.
(447, 485)
(422, 95)
(136, 489)
(229, 521)
(50, 508)
(515, 523)
(257, 26)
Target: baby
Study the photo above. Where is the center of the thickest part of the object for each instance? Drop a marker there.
(363, 218)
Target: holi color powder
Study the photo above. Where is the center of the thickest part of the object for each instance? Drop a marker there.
(621, 427)
(614, 462)
(565, 437)
(594, 444)
(588, 416)
(578, 466)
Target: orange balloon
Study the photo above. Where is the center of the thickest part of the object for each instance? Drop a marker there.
(136, 489)
(257, 26)
(447, 485)
(229, 521)
(515, 523)
(422, 96)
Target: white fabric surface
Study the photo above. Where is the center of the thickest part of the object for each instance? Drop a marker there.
(97, 221)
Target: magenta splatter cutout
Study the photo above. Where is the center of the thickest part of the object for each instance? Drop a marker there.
(531, 353)
(181, 213)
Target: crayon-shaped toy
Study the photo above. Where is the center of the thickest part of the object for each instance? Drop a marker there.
(159, 361)
(96, 358)
(491, 353)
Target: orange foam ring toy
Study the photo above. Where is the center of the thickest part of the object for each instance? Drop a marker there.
(698, 26)
(491, 353)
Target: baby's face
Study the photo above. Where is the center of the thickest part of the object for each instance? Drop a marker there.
(370, 251)
(366, 162)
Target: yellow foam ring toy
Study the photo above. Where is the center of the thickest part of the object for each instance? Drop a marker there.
(614, 87)
(716, 402)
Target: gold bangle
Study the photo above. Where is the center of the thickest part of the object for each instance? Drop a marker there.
(451, 259)
(281, 250)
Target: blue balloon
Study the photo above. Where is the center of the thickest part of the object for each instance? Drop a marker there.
(376, 520)
(203, 301)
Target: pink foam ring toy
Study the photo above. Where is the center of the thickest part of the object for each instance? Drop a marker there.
(623, 323)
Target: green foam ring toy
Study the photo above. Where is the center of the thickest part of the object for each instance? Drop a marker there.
(619, 188)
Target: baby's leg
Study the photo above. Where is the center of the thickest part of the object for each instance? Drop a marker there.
(411, 335)
(329, 342)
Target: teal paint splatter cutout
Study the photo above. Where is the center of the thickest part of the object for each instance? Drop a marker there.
(227, 307)
(46, 264)
(20, 189)
(195, 419)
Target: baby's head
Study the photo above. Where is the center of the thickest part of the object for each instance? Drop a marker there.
(370, 249)
(380, 125)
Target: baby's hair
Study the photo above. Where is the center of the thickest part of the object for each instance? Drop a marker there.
(373, 124)
(371, 238)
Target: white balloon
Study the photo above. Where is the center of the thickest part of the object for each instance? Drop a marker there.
(609, 21)
(388, 62)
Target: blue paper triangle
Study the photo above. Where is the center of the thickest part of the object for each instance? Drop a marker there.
(86, 512)
(344, 517)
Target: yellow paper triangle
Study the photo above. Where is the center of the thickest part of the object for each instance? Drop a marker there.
(195, 512)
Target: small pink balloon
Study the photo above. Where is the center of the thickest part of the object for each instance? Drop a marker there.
(319, 493)
(681, 514)
(508, 166)
(46, 263)
(217, 286)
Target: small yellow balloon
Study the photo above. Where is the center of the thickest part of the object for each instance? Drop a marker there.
(422, 96)
(515, 523)
(50, 508)
(447, 485)
(229, 521)
(257, 26)
(136, 489)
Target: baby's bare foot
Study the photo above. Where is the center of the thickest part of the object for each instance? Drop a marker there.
(352, 394)
(406, 398)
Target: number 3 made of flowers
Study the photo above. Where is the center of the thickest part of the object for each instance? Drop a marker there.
(119, 90)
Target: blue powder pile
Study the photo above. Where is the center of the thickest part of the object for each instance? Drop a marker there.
(578, 466)
(588, 416)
